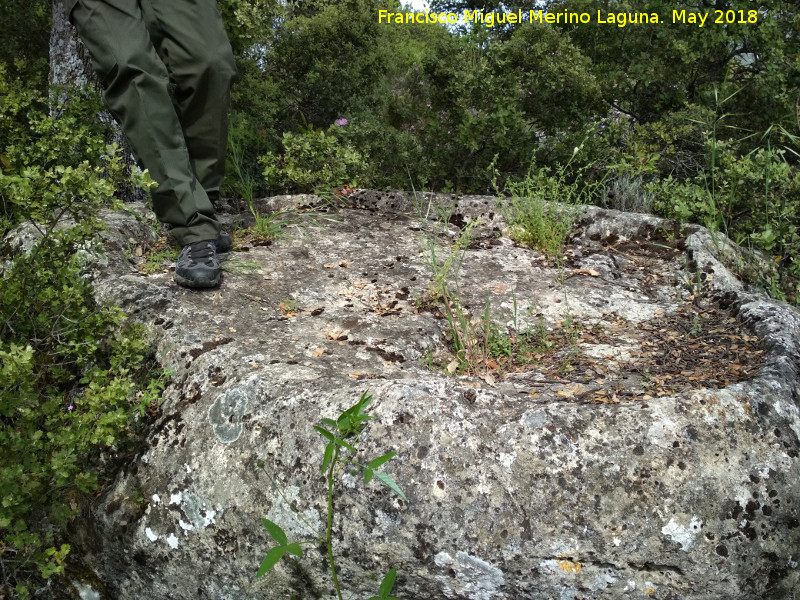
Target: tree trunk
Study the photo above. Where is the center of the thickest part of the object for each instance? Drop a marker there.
(70, 64)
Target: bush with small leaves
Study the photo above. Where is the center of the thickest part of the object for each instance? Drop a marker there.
(73, 371)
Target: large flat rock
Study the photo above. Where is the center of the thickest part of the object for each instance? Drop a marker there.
(655, 455)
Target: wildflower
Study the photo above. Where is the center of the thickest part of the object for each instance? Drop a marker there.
(70, 407)
(340, 122)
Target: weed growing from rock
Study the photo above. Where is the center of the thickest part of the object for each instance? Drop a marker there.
(479, 345)
(542, 208)
(341, 435)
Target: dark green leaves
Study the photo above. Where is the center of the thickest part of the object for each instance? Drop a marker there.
(275, 554)
(328, 456)
(349, 422)
(324, 433)
(390, 482)
(386, 586)
(340, 436)
(271, 559)
(377, 462)
(275, 531)
(370, 471)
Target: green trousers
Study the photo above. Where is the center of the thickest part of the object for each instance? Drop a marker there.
(166, 67)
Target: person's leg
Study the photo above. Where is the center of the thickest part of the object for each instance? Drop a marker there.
(136, 89)
(190, 38)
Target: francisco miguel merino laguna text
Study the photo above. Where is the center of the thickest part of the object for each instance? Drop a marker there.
(621, 19)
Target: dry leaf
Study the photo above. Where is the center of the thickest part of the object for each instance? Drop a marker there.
(451, 368)
(319, 352)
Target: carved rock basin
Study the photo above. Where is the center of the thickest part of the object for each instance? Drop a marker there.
(624, 467)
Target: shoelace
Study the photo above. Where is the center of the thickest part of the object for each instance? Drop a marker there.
(202, 252)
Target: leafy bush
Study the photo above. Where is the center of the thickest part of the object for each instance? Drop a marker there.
(311, 160)
(754, 199)
(73, 373)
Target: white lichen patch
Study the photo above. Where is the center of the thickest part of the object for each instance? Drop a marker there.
(172, 541)
(175, 498)
(483, 580)
(443, 559)
(663, 430)
(150, 535)
(385, 521)
(480, 580)
(156, 499)
(680, 534)
(86, 592)
(226, 412)
(185, 526)
(507, 459)
(196, 512)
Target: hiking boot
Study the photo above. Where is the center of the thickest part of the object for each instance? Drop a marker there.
(198, 265)
(223, 243)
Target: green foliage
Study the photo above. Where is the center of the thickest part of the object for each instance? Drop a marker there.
(341, 435)
(26, 32)
(73, 372)
(543, 206)
(249, 22)
(330, 59)
(55, 159)
(754, 199)
(548, 70)
(312, 160)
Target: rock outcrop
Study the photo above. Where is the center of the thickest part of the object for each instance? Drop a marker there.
(653, 454)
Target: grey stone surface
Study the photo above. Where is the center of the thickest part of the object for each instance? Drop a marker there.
(517, 488)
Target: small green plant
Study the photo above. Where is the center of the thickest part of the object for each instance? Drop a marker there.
(289, 306)
(469, 340)
(154, 260)
(242, 183)
(341, 435)
(697, 326)
(542, 208)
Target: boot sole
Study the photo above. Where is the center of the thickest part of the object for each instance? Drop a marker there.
(192, 283)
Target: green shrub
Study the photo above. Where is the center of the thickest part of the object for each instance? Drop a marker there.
(312, 160)
(754, 199)
(73, 373)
